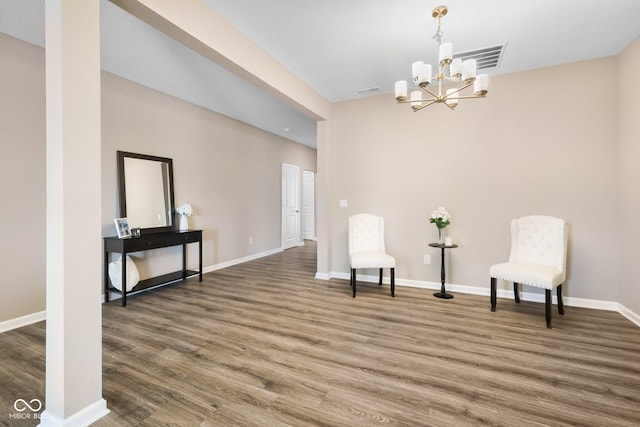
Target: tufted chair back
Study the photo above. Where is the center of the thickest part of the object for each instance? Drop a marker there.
(539, 239)
(366, 233)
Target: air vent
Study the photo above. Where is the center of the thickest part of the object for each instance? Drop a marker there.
(487, 57)
(368, 90)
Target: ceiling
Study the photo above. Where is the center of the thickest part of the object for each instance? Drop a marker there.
(344, 49)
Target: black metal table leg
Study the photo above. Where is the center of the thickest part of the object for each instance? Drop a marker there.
(443, 291)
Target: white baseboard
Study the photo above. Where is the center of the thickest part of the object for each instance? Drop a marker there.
(19, 322)
(241, 260)
(502, 293)
(83, 417)
(629, 314)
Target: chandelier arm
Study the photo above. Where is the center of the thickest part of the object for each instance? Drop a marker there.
(451, 79)
(426, 89)
(458, 90)
(472, 96)
(423, 106)
(409, 101)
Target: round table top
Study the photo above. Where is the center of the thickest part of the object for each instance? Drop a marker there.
(442, 245)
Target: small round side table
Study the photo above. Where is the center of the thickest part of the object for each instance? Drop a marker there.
(443, 292)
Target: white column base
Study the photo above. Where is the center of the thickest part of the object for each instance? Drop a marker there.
(82, 418)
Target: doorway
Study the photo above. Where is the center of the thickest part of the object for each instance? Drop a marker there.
(290, 206)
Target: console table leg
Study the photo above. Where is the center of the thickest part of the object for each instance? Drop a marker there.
(123, 283)
(184, 261)
(200, 259)
(106, 276)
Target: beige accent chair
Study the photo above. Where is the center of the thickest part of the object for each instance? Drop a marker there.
(366, 248)
(538, 258)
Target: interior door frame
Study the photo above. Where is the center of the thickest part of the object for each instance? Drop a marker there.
(306, 195)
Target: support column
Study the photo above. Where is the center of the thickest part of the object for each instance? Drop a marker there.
(323, 201)
(74, 312)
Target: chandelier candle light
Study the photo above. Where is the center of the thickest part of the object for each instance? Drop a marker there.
(462, 73)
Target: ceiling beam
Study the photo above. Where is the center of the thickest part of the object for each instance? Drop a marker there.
(197, 26)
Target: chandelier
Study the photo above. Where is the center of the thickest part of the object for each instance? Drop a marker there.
(450, 70)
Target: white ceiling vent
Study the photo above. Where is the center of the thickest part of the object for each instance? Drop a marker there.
(487, 57)
(368, 90)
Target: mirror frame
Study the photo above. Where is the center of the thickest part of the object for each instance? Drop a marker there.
(123, 189)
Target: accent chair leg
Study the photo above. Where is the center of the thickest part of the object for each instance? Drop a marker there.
(393, 282)
(353, 281)
(516, 295)
(380, 278)
(560, 304)
(493, 294)
(547, 306)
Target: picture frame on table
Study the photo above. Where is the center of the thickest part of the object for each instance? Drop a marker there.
(122, 228)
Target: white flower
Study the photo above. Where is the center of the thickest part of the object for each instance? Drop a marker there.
(440, 217)
(185, 209)
(441, 213)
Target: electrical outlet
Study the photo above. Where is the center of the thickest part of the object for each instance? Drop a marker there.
(427, 259)
(251, 240)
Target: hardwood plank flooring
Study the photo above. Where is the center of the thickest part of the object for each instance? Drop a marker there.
(265, 344)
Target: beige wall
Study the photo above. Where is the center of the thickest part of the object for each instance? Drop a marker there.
(228, 171)
(543, 142)
(629, 157)
(22, 179)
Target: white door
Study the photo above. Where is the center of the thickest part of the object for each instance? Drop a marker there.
(290, 206)
(308, 205)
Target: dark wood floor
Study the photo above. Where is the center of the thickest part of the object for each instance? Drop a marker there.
(265, 344)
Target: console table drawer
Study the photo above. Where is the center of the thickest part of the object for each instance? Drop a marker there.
(188, 237)
(155, 241)
(184, 237)
(137, 244)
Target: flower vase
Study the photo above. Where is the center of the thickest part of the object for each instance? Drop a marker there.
(441, 236)
(183, 224)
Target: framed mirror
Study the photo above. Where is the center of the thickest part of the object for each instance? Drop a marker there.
(146, 191)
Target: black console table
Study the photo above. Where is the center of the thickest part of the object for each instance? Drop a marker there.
(443, 292)
(146, 242)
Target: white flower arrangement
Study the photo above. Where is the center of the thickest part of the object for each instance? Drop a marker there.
(185, 209)
(441, 218)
